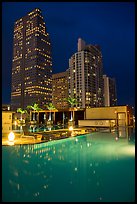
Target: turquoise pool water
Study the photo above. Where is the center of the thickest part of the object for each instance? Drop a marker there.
(97, 167)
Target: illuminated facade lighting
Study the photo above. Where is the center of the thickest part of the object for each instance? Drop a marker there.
(60, 90)
(86, 76)
(32, 62)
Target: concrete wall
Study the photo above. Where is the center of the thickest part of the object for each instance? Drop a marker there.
(6, 121)
(104, 112)
(120, 114)
(96, 123)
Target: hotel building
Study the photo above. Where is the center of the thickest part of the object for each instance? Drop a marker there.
(86, 76)
(32, 62)
(60, 90)
(110, 98)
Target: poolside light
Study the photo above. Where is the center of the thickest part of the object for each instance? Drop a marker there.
(11, 137)
(70, 128)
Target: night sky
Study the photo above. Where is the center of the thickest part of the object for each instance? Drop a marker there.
(108, 24)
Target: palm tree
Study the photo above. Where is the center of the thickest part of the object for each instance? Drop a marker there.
(35, 108)
(72, 102)
(21, 111)
(50, 107)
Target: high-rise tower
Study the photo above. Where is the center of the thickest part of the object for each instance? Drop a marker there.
(110, 94)
(86, 76)
(60, 90)
(32, 62)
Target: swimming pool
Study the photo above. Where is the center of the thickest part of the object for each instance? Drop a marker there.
(97, 167)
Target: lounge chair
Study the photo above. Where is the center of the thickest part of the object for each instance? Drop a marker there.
(28, 134)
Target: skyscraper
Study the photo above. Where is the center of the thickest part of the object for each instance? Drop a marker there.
(60, 90)
(110, 96)
(86, 76)
(32, 62)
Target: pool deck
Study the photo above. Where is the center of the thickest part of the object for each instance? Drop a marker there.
(48, 136)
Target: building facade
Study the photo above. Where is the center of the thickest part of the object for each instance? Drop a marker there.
(7, 121)
(110, 96)
(86, 76)
(60, 90)
(6, 107)
(32, 62)
(108, 116)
